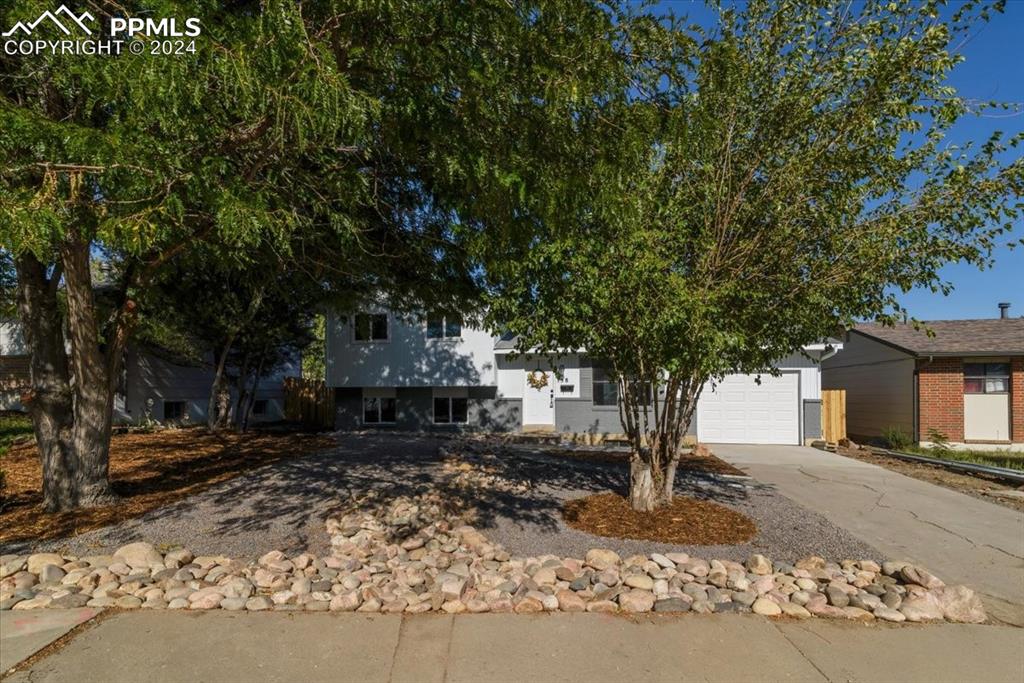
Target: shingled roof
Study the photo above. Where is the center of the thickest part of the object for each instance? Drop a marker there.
(986, 337)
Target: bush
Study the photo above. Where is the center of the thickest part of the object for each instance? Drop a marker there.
(940, 442)
(896, 438)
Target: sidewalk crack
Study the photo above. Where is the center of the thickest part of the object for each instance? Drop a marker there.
(796, 647)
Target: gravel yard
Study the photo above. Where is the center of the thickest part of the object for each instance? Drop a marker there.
(283, 506)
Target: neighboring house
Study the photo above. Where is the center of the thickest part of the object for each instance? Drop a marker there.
(151, 387)
(396, 371)
(965, 381)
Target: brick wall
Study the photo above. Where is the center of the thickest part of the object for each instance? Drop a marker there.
(1017, 399)
(941, 397)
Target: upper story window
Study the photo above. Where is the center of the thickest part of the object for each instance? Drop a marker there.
(444, 327)
(986, 378)
(370, 327)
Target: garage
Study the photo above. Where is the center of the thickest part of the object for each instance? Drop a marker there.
(739, 410)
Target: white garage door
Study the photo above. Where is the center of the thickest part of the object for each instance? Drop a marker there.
(739, 410)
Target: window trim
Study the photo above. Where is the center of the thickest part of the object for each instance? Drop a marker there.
(445, 337)
(985, 376)
(387, 328)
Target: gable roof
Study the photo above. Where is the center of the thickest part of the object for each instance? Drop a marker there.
(984, 337)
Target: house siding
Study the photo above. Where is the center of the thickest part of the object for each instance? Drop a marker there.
(879, 385)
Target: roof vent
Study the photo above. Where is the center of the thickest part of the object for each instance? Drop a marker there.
(1004, 310)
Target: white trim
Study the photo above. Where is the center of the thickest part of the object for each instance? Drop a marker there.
(387, 324)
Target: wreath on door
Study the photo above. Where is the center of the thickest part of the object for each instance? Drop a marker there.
(538, 379)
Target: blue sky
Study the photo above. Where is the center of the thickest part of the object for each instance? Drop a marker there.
(992, 71)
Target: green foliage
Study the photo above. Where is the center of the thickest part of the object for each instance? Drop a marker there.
(896, 438)
(314, 362)
(764, 185)
(939, 440)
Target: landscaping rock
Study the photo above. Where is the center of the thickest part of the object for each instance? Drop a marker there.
(961, 604)
(35, 563)
(766, 607)
(140, 555)
(601, 558)
(636, 601)
(759, 564)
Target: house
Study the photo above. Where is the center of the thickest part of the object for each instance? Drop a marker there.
(409, 373)
(964, 381)
(152, 387)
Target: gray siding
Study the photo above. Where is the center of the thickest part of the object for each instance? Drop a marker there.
(812, 419)
(581, 416)
(879, 384)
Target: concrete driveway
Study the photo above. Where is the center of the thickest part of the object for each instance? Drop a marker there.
(959, 537)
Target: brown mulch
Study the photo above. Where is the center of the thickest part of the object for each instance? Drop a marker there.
(687, 521)
(978, 486)
(707, 464)
(148, 470)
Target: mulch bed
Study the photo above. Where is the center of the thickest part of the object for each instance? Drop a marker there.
(148, 470)
(707, 464)
(978, 485)
(687, 521)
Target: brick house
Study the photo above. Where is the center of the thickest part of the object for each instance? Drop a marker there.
(964, 380)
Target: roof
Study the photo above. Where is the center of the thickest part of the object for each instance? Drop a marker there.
(985, 337)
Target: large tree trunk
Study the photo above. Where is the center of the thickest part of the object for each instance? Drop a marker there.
(218, 411)
(656, 414)
(70, 404)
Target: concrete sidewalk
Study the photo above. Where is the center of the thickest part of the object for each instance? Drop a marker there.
(959, 537)
(222, 646)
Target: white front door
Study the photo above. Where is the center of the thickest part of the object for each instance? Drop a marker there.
(739, 410)
(538, 403)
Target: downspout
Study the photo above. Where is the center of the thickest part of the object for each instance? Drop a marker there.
(916, 415)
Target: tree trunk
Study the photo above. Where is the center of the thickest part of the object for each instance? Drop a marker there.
(218, 410)
(643, 495)
(71, 418)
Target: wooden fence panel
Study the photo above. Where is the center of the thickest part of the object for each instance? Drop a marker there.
(309, 402)
(833, 415)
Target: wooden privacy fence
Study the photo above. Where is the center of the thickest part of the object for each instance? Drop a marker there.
(310, 402)
(833, 415)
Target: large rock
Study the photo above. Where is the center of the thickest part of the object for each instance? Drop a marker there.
(636, 601)
(759, 564)
(569, 601)
(924, 607)
(139, 556)
(961, 604)
(602, 558)
(766, 607)
(39, 560)
(921, 577)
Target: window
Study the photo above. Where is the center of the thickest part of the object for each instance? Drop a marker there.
(370, 327)
(986, 378)
(259, 407)
(174, 410)
(444, 327)
(450, 410)
(606, 389)
(378, 410)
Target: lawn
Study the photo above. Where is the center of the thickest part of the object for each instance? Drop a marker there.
(148, 470)
(1000, 458)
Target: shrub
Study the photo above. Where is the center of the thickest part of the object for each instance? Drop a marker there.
(896, 438)
(940, 442)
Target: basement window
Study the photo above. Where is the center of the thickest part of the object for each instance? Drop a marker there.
(379, 410)
(450, 410)
(259, 407)
(986, 378)
(174, 410)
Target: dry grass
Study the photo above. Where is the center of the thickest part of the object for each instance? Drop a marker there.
(687, 521)
(148, 470)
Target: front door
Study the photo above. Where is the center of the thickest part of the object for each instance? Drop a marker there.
(539, 399)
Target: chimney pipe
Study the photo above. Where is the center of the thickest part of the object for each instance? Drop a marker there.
(1004, 310)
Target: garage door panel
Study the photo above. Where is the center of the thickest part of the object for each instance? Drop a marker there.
(741, 410)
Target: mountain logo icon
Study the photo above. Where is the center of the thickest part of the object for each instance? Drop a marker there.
(70, 18)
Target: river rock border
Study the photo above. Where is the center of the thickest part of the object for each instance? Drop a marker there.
(411, 555)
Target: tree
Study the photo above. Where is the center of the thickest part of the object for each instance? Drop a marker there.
(293, 126)
(784, 176)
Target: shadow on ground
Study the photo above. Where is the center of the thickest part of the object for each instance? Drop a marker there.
(283, 506)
